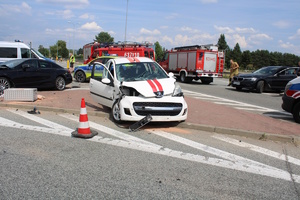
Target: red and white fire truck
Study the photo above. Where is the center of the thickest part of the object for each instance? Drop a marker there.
(196, 62)
(93, 50)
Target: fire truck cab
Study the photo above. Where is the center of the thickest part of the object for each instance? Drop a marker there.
(196, 62)
(93, 50)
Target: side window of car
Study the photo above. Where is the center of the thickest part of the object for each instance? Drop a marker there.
(8, 52)
(25, 53)
(33, 64)
(44, 65)
(98, 72)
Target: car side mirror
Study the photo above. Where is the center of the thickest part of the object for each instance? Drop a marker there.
(171, 75)
(105, 81)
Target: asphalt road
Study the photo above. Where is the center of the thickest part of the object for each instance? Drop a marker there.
(40, 160)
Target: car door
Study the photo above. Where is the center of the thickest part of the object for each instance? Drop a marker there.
(27, 74)
(102, 92)
(47, 73)
(282, 78)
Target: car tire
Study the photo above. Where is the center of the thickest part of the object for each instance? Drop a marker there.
(260, 86)
(60, 83)
(115, 112)
(80, 76)
(4, 84)
(296, 112)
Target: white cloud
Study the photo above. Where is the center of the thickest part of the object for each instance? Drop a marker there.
(281, 24)
(224, 29)
(296, 36)
(245, 30)
(188, 29)
(286, 45)
(9, 9)
(67, 3)
(93, 26)
(260, 36)
(241, 40)
(148, 32)
(66, 14)
(87, 16)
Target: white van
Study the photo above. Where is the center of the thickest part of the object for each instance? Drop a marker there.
(17, 50)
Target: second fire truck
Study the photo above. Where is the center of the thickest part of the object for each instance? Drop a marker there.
(133, 49)
(198, 62)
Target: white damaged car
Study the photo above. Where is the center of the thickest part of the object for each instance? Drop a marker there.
(136, 87)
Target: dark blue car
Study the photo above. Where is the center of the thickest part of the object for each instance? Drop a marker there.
(271, 78)
(33, 73)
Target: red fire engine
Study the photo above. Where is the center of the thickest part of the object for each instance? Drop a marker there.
(93, 50)
(196, 62)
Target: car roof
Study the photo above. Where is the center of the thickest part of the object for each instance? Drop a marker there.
(120, 60)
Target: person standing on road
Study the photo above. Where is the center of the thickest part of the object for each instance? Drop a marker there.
(234, 70)
(72, 61)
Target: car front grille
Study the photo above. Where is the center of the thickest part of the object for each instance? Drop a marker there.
(157, 108)
(238, 78)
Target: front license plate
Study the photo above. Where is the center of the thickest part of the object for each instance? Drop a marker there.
(236, 83)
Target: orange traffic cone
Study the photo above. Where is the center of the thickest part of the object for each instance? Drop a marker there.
(83, 130)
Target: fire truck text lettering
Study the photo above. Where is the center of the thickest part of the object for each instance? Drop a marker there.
(131, 54)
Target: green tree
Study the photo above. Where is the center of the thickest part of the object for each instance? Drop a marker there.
(246, 60)
(237, 54)
(104, 37)
(59, 49)
(159, 54)
(222, 44)
(43, 51)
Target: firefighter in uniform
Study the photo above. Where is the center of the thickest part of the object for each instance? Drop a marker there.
(234, 70)
(72, 61)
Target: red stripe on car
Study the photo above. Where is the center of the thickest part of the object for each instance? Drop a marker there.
(152, 85)
(158, 85)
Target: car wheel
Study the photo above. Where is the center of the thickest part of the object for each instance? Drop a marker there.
(80, 76)
(296, 112)
(115, 111)
(60, 83)
(260, 86)
(4, 84)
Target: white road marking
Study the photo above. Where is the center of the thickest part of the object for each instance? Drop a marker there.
(236, 104)
(111, 131)
(8, 123)
(258, 149)
(234, 162)
(251, 166)
(40, 120)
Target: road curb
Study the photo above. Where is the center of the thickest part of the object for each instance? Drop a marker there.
(207, 128)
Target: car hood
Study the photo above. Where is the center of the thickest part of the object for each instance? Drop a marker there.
(252, 75)
(153, 88)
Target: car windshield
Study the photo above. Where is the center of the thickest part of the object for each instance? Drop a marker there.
(267, 70)
(38, 53)
(11, 63)
(139, 71)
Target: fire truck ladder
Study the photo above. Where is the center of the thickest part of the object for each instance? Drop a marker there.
(195, 47)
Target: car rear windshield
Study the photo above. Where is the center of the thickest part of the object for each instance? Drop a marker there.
(139, 71)
(12, 63)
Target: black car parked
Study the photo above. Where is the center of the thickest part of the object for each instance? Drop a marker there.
(33, 73)
(271, 78)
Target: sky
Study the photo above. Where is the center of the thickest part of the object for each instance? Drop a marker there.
(272, 25)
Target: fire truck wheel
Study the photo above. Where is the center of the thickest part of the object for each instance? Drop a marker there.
(80, 76)
(296, 112)
(183, 77)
